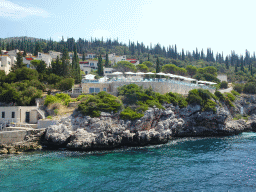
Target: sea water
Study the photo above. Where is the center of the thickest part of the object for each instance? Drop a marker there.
(189, 164)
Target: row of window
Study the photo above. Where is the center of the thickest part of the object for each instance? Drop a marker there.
(3, 114)
(96, 90)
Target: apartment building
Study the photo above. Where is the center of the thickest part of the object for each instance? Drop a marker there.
(5, 63)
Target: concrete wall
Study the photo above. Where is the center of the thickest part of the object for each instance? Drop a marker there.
(45, 123)
(160, 87)
(9, 137)
(222, 77)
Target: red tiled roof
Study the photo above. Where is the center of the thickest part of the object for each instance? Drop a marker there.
(133, 61)
(5, 53)
(83, 62)
(29, 58)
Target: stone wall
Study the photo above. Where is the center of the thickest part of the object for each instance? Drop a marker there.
(9, 137)
(45, 123)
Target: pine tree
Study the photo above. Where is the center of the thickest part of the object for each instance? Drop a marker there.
(107, 61)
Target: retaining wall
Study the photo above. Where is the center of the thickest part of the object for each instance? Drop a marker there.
(9, 137)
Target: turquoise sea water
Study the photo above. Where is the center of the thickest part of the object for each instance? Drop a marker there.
(192, 164)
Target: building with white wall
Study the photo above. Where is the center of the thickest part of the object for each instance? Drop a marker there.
(55, 54)
(44, 57)
(5, 63)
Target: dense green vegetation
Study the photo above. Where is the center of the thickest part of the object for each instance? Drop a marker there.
(133, 101)
(202, 65)
(102, 102)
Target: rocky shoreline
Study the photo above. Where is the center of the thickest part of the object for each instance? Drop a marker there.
(157, 126)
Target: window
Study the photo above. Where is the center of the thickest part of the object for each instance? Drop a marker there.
(91, 90)
(13, 114)
(3, 114)
(104, 89)
(97, 90)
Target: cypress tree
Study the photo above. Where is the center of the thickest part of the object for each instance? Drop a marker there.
(19, 62)
(24, 53)
(242, 63)
(65, 62)
(100, 66)
(251, 70)
(37, 49)
(107, 61)
(83, 56)
(226, 62)
(148, 56)
(158, 69)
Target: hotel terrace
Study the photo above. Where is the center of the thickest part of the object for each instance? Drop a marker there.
(164, 84)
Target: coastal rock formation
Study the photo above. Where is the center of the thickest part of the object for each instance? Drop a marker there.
(155, 127)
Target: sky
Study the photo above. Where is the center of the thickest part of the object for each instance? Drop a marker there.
(222, 25)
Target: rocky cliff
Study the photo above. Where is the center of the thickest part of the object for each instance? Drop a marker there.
(157, 126)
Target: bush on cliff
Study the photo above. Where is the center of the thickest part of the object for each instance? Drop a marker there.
(129, 114)
(202, 97)
(102, 102)
(62, 98)
(227, 99)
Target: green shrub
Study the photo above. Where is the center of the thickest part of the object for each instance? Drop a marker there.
(49, 117)
(129, 114)
(51, 99)
(210, 106)
(194, 98)
(231, 97)
(250, 88)
(220, 96)
(224, 85)
(66, 84)
(235, 93)
(239, 88)
(56, 111)
(102, 102)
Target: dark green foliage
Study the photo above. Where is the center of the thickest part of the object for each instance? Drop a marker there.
(239, 88)
(226, 99)
(19, 62)
(107, 61)
(158, 68)
(250, 88)
(53, 79)
(102, 102)
(26, 74)
(66, 84)
(224, 85)
(100, 66)
(235, 93)
(202, 97)
(210, 105)
(21, 93)
(231, 97)
(176, 99)
(124, 66)
(129, 114)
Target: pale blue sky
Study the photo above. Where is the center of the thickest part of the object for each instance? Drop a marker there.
(223, 25)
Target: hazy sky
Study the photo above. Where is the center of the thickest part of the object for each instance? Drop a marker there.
(223, 25)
